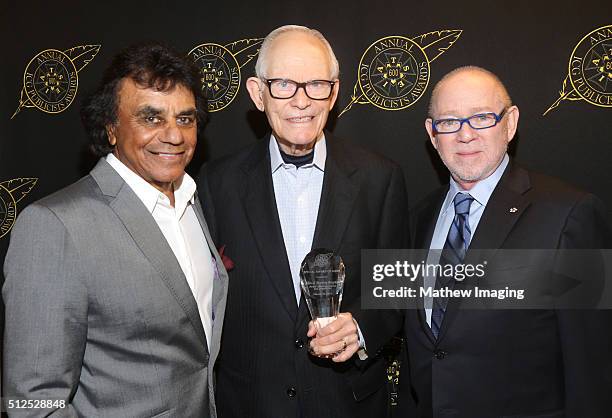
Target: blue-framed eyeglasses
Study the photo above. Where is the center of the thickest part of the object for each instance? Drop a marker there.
(479, 121)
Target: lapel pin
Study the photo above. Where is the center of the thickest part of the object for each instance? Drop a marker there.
(513, 210)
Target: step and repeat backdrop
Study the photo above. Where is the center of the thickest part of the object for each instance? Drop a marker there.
(555, 59)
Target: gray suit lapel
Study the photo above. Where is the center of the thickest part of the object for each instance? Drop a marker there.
(149, 238)
(220, 284)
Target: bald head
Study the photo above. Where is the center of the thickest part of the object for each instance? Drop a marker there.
(294, 36)
(298, 55)
(487, 122)
(472, 75)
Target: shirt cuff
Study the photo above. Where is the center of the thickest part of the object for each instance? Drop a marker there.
(361, 353)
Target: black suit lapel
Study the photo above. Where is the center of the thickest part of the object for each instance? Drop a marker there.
(506, 205)
(424, 222)
(423, 225)
(262, 214)
(337, 200)
(504, 208)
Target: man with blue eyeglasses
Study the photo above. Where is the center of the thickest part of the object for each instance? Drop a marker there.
(544, 363)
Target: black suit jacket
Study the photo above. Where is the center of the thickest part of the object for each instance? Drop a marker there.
(516, 363)
(264, 369)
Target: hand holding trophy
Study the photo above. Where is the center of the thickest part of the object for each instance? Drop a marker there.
(322, 280)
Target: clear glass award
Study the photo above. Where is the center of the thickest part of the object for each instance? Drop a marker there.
(322, 281)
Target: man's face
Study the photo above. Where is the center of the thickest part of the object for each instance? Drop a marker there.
(299, 121)
(156, 132)
(471, 154)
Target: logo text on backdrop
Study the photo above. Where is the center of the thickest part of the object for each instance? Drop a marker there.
(11, 192)
(393, 72)
(589, 74)
(220, 69)
(50, 80)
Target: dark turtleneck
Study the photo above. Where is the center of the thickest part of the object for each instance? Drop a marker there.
(297, 160)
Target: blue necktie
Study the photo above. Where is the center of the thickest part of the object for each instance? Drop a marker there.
(455, 247)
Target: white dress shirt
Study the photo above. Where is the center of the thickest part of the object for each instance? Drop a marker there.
(298, 194)
(183, 232)
(481, 192)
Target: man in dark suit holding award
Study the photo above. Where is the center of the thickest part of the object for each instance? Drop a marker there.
(483, 363)
(114, 291)
(299, 188)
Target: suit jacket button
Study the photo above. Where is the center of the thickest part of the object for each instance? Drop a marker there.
(291, 392)
(440, 354)
(299, 343)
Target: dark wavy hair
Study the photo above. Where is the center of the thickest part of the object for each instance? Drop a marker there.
(150, 65)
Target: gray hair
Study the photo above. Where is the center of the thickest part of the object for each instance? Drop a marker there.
(260, 66)
(504, 96)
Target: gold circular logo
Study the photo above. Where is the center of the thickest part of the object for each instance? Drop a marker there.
(220, 74)
(50, 81)
(590, 67)
(393, 73)
(8, 209)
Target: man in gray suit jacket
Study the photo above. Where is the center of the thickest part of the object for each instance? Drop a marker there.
(115, 294)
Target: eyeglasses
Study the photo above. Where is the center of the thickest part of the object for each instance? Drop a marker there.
(478, 121)
(282, 88)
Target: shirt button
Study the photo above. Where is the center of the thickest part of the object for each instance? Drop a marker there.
(299, 343)
(302, 239)
(291, 392)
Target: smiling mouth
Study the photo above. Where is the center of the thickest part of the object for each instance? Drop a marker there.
(301, 119)
(167, 154)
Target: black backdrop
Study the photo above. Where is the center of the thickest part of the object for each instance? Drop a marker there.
(527, 43)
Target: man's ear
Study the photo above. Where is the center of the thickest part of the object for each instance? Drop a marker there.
(334, 94)
(430, 132)
(512, 114)
(255, 88)
(110, 133)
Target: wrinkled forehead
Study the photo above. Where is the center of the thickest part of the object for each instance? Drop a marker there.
(297, 53)
(467, 93)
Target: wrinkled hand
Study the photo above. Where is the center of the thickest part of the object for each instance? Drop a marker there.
(338, 340)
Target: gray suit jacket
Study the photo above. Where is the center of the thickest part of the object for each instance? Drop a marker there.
(98, 311)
